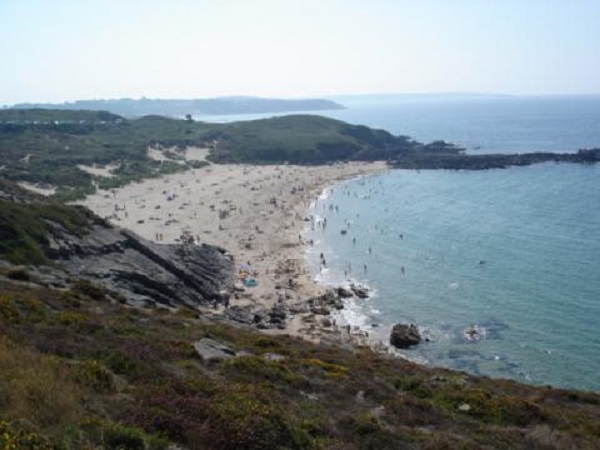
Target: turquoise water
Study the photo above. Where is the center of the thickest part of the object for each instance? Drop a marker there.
(514, 252)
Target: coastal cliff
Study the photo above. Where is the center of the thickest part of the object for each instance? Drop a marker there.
(86, 247)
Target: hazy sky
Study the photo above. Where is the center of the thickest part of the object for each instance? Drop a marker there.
(56, 50)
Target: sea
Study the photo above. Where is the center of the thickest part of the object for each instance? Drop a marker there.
(499, 269)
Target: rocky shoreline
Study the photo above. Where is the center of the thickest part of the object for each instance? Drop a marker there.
(461, 161)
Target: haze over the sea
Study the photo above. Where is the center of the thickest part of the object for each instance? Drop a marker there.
(66, 50)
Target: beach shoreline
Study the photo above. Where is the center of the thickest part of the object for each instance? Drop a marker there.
(256, 213)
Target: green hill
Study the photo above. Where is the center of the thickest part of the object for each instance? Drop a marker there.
(47, 146)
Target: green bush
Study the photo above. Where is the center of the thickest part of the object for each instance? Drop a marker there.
(95, 376)
(124, 438)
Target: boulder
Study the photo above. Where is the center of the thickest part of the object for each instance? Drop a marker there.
(404, 336)
(344, 292)
(210, 350)
(360, 291)
(326, 322)
(240, 314)
(320, 310)
(278, 313)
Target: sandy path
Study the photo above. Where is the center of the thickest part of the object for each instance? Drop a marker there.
(257, 213)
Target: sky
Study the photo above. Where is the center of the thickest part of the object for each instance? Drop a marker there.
(64, 50)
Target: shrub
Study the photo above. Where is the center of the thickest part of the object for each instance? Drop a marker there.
(89, 289)
(242, 420)
(367, 424)
(94, 375)
(36, 387)
(16, 310)
(14, 437)
(124, 438)
(257, 369)
(9, 312)
(331, 370)
(71, 318)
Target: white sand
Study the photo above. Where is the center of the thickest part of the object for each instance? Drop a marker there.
(46, 190)
(98, 170)
(196, 153)
(255, 212)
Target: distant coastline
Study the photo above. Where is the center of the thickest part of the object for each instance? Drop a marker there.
(192, 107)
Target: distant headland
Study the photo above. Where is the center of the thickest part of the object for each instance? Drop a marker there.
(181, 107)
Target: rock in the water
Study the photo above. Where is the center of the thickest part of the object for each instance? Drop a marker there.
(344, 292)
(360, 291)
(211, 350)
(404, 336)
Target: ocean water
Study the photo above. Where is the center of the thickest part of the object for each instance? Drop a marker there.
(514, 253)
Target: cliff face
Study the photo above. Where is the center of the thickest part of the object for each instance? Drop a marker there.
(142, 272)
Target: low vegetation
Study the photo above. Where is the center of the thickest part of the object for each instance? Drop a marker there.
(24, 227)
(81, 370)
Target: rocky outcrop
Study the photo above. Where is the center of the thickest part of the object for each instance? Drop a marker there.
(210, 350)
(461, 161)
(143, 272)
(404, 336)
(359, 291)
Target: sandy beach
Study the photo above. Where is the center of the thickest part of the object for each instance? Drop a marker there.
(257, 213)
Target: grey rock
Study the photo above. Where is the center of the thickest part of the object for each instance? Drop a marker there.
(404, 336)
(278, 313)
(273, 357)
(240, 314)
(344, 292)
(360, 291)
(320, 310)
(141, 271)
(210, 350)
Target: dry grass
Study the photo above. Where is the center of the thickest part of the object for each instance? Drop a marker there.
(36, 387)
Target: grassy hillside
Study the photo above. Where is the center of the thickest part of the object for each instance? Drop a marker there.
(46, 146)
(24, 227)
(81, 371)
(304, 139)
